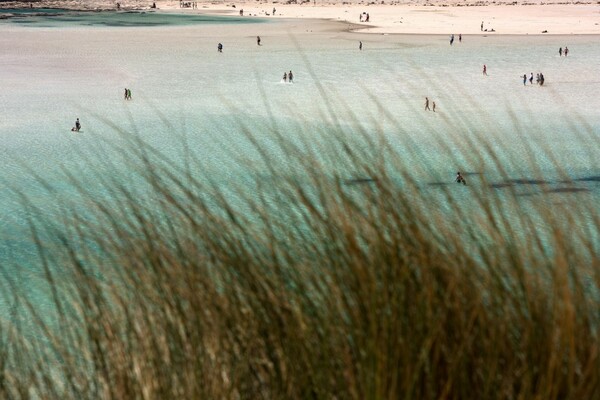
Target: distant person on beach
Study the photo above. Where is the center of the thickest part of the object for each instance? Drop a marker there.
(481, 26)
(290, 77)
(459, 179)
(541, 79)
(560, 52)
(367, 20)
(77, 126)
(524, 79)
(285, 77)
(451, 39)
(484, 69)
(531, 79)
(258, 40)
(566, 51)
(433, 106)
(427, 104)
(220, 48)
(360, 45)
(274, 11)
(241, 12)
(460, 38)
(128, 94)
(125, 95)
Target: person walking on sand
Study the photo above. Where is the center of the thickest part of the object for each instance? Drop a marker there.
(524, 79)
(360, 45)
(566, 51)
(433, 106)
(459, 179)
(481, 26)
(427, 104)
(258, 40)
(485, 69)
(451, 39)
(560, 52)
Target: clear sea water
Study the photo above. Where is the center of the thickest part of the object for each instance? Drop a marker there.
(54, 69)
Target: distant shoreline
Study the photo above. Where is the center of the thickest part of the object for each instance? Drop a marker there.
(437, 17)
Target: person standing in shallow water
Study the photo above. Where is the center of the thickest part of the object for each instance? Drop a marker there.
(285, 76)
(460, 38)
(433, 106)
(531, 79)
(451, 39)
(484, 69)
(360, 45)
(524, 79)
(566, 51)
(258, 40)
(290, 77)
(220, 48)
(560, 52)
(427, 104)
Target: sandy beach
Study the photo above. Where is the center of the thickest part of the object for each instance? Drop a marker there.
(553, 17)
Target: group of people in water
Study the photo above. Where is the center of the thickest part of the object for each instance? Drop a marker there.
(539, 79)
(288, 77)
(452, 38)
(427, 105)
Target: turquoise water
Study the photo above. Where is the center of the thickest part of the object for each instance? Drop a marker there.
(54, 17)
(51, 75)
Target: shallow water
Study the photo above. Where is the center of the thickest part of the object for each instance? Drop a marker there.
(61, 69)
(60, 18)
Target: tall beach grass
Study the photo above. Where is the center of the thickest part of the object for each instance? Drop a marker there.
(333, 274)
